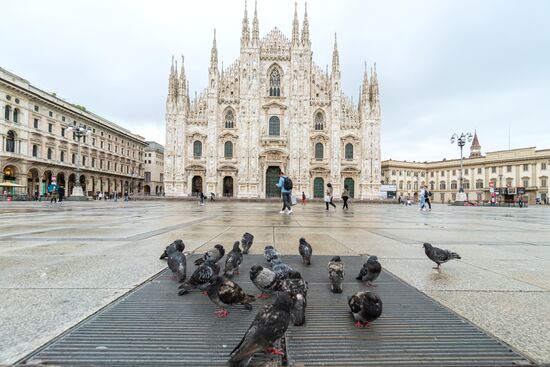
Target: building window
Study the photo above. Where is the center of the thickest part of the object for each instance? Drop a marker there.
(442, 173)
(83, 161)
(161, 177)
(93, 162)
(51, 114)
(63, 132)
(35, 150)
(466, 185)
(319, 151)
(16, 115)
(431, 174)
(319, 121)
(543, 182)
(101, 164)
(479, 184)
(274, 126)
(454, 172)
(454, 185)
(275, 83)
(400, 185)
(7, 113)
(442, 185)
(50, 128)
(36, 108)
(197, 149)
(349, 151)
(432, 185)
(229, 120)
(101, 144)
(147, 176)
(73, 159)
(63, 118)
(525, 167)
(479, 171)
(227, 149)
(49, 153)
(93, 142)
(494, 169)
(10, 142)
(62, 156)
(543, 165)
(526, 182)
(466, 171)
(393, 173)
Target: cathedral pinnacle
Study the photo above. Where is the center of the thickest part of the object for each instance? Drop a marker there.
(245, 36)
(305, 29)
(335, 58)
(295, 27)
(214, 53)
(255, 26)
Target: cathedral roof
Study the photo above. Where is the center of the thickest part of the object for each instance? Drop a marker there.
(275, 43)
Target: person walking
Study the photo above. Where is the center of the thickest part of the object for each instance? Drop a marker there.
(61, 193)
(328, 196)
(115, 196)
(303, 198)
(345, 197)
(285, 184)
(201, 198)
(126, 195)
(422, 199)
(427, 198)
(52, 190)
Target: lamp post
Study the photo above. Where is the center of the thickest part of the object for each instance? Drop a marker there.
(461, 141)
(79, 132)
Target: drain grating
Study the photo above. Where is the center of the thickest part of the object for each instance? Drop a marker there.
(153, 326)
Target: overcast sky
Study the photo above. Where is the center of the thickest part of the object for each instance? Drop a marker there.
(444, 66)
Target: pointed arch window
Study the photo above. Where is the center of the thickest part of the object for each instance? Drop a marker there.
(274, 126)
(319, 121)
(349, 151)
(229, 120)
(275, 83)
(319, 151)
(228, 149)
(197, 149)
(10, 142)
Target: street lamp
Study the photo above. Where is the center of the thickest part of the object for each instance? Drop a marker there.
(79, 132)
(461, 141)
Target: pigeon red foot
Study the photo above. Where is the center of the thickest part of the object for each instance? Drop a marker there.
(222, 313)
(263, 296)
(275, 351)
(359, 324)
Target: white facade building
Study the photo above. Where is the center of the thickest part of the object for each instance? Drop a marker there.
(273, 109)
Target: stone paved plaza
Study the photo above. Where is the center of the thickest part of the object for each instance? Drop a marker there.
(61, 263)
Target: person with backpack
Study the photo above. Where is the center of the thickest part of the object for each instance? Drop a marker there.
(427, 199)
(285, 184)
(328, 196)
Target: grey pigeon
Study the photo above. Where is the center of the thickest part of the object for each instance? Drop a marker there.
(279, 267)
(224, 292)
(336, 274)
(178, 264)
(365, 307)
(265, 280)
(177, 245)
(439, 256)
(246, 242)
(214, 254)
(233, 261)
(305, 251)
(370, 271)
(269, 325)
(270, 253)
(201, 277)
(296, 287)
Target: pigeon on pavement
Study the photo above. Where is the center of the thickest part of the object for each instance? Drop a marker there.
(177, 245)
(305, 251)
(269, 253)
(201, 277)
(224, 292)
(233, 260)
(439, 256)
(246, 242)
(296, 287)
(214, 254)
(178, 264)
(336, 274)
(279, 267)
(370, 271)
(365, 307)
(265, 280)
(270, 325)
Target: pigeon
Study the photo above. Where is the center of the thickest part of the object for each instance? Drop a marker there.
(365, 307)
(279, 267)
(201, 277)
(270, 253)
(296, 287)
(439, 256)
(233, 260)
(370, 271)
(336, 274)
(305, 251)
(224, 292)
(269, 325)
(265, 280)
(178, 264)
(246, 242)
(214, 254)
(177, 245)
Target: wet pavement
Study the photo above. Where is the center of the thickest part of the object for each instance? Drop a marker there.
(61, 263)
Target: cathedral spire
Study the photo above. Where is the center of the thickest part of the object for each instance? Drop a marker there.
(475, 148)
(255, 26)
(245, 35)
(335, 57)
(183, 79)
(295, 27)
(365, 87)
(214, 53)
(305, 30)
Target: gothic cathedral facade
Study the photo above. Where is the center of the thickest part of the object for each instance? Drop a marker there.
(272, 110)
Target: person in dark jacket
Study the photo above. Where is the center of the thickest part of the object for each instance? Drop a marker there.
(345, 197)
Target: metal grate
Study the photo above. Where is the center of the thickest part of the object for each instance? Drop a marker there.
(153, 326)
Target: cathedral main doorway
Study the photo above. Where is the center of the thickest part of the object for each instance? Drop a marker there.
(197, 185)
(318, 187)
(228, 186)
(271, 179)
